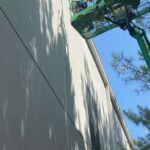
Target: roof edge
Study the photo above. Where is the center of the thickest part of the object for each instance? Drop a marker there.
(100, 68)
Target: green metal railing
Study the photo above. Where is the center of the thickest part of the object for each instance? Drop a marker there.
(98, 18)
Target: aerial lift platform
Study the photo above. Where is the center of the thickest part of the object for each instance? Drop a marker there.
(94, 17)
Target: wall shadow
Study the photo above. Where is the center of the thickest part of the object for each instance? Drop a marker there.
(37, 107)
(32, 115)
(105, 130)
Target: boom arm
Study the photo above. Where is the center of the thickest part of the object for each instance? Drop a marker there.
(105, 15)
(140, 35)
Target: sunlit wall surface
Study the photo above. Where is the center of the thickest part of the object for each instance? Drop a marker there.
(52, 96)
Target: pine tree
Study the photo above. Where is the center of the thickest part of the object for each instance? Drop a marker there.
(141, 118)
(140, 74)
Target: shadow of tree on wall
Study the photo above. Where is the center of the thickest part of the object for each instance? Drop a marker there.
(32, 113)
(93, 121)
(105, 129)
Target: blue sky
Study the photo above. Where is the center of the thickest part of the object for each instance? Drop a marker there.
(118, 40)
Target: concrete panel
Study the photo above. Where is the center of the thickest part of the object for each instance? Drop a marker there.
(79, 115)
(31, 117)
(40, 24)
(75, 138)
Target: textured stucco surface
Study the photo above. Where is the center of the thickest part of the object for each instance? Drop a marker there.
(51, 93)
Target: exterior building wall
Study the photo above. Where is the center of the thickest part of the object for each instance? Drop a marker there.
(52, 94)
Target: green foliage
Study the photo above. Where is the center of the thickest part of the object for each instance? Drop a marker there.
(141, 118)
(144, 21)
(138, 73)
(130, 71)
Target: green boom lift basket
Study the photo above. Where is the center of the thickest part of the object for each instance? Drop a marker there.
(98, 16)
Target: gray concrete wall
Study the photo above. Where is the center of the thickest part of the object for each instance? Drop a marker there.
(52, 96)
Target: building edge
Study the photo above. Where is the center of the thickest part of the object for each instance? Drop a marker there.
(115, 105)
